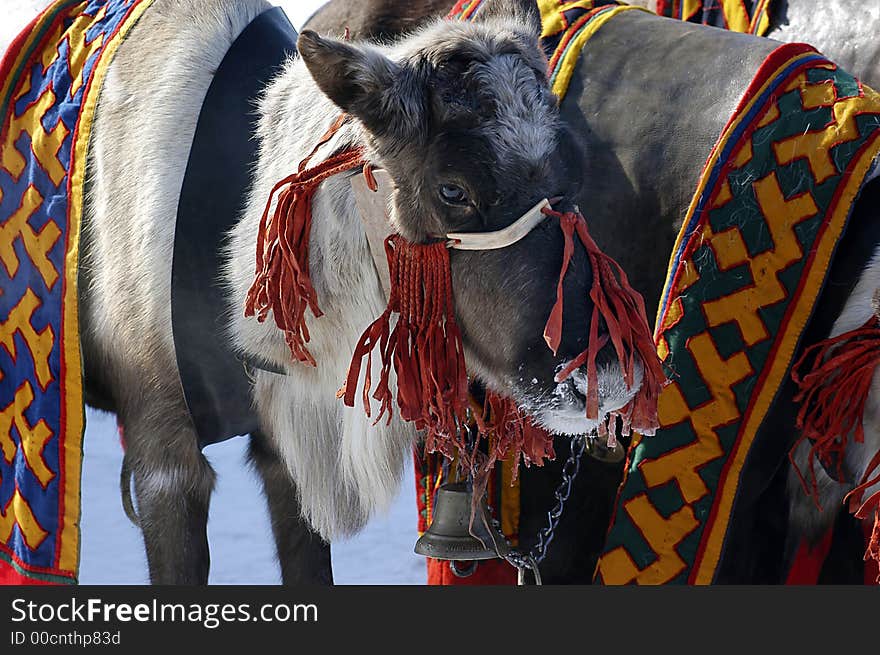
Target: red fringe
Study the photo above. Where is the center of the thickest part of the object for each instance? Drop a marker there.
(512, 434)
(427, 355)
(833, 396)
(862, 509)
(424, 347)
(282, 283)
(623, 311)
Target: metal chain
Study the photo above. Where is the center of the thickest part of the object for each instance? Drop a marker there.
(536, 555)
(570, 470)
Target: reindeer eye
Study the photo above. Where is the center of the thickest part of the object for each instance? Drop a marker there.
(453, 194)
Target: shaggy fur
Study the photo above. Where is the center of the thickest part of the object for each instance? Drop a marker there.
(345, 468)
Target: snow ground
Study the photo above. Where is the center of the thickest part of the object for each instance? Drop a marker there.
(242, 550)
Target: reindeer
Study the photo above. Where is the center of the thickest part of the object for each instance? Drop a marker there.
(462, 119)
(638, 179)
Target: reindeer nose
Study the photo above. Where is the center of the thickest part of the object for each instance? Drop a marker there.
(562, 204)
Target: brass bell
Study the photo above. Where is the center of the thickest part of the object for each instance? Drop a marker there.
(451, 536)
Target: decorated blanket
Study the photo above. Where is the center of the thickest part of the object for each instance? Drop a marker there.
(753, 255)
(747, 16)
(51, 77)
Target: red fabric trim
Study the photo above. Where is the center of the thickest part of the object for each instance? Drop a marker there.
(808, 560)
(489, 572)
(457, 8)
(10, 577)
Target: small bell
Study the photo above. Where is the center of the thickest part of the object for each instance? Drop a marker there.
(608, 453)
(449, 537)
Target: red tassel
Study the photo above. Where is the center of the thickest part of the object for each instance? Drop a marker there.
(512, 434)
(426, 353)
(862, 508)
(873, 552)
(282, 283)
(872, 556)
(424, 347)
(833, 396)
(623, 310)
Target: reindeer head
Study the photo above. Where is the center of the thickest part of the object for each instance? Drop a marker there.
(463, 118)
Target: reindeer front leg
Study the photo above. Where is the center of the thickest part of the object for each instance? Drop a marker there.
(303, 555)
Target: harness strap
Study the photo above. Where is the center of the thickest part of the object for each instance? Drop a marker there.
(216, 380)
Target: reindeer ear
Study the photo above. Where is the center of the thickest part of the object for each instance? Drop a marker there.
(361, 80)
(524, 11)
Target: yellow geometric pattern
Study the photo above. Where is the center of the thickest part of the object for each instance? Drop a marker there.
(39, 343)
(18, 513)
(36, 244)
(742, 307)
(816, 147)
(45, 142)
(49, 87)
(750, 225)
(683, 465)
(745, 16)
(33, 439)
(618, 566)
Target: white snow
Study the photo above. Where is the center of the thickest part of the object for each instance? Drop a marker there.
(242, 550)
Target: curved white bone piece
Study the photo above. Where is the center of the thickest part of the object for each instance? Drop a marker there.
(501, 238)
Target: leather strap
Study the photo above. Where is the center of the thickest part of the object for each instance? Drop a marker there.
(216, 381)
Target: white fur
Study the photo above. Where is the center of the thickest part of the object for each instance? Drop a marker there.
(565, 412)
(345, 468)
